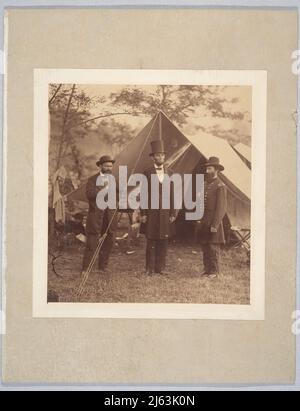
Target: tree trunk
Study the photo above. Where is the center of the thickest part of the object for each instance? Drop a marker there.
(64, 130)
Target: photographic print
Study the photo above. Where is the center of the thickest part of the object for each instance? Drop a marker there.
(149, 191)
(110, 145)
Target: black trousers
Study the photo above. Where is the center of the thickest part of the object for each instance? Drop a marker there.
(92, 243)
(211, 255)
(156, 254)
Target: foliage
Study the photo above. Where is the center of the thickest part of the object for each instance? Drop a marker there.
(178, 102)
(115, 134)
(73, 123)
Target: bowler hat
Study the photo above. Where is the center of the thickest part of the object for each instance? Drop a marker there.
(215, 162)
(157, 146)
(105, 159)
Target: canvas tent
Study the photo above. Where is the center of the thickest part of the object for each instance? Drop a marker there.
(244, 152)
(187, 154)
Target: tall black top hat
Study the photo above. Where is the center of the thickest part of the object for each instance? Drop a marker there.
(157, 146)
(215, 162)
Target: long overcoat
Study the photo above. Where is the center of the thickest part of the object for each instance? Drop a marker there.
(158, 226)
(98, 219)
(215, 204)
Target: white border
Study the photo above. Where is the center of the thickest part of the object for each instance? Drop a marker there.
(4, 183)
(255, 78)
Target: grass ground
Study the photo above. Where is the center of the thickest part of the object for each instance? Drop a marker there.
(129, 284)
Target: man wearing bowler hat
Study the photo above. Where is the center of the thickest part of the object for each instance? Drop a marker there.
(211, 226)
(157, 222)
(98, 220)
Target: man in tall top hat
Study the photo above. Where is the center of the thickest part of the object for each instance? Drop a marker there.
(98, 220)
(211, 225)
(157, 222)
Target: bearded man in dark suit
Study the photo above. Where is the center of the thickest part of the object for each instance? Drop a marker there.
(99, 221)
(157, 222)
(211, 225)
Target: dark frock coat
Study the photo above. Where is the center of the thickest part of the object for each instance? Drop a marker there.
(158, 226)
(215, 204)
(97, 219)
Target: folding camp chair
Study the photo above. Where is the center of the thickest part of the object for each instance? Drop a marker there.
(243, 238)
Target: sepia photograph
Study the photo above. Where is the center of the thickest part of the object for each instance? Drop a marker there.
(150, 200)
(112, 238)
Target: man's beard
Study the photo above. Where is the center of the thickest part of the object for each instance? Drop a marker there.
(106, 171)
(210, 176)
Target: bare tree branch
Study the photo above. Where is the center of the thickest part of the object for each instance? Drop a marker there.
(54, 94)
(101, 116)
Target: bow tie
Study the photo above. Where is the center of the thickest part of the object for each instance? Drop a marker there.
(159, 168)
